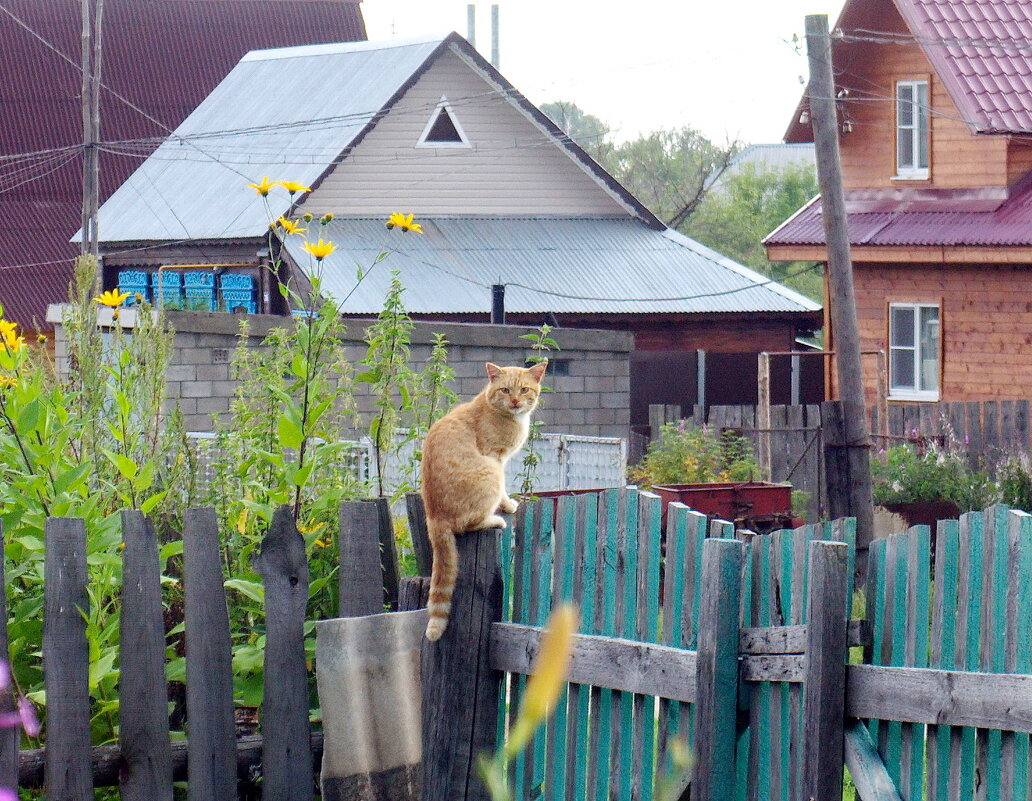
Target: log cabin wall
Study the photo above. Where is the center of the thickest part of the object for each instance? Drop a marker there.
(986, 323)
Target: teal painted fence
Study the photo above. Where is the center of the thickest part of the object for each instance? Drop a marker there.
(975, 616)
(605, 553)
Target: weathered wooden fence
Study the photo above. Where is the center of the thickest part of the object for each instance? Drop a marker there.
(145, 761)
(793, 446)
(764, 698)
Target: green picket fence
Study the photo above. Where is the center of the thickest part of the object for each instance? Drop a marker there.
(975, 616)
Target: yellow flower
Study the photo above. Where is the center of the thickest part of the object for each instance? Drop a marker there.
(404, 222)
(12, 340)
(294, 186)
(112, 298)
(290, 226)
(264, 187)
(41, 339)
(319, 249)
(325, 219)
(8, 381)
(320, 543)
(307, 216)
(549, 676)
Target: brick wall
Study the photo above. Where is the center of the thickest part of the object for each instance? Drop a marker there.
(592, 399)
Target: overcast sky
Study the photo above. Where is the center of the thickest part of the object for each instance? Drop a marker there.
(728, 68)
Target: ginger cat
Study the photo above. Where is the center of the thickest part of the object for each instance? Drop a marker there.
(463, 472)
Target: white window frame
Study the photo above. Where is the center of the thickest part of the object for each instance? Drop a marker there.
(913, 171)
(914, 393)
(443, 106)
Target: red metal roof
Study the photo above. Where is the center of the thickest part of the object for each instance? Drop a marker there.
(980, 49)
(163, 56)
(1008, 225)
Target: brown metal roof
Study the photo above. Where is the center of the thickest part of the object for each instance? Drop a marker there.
(163, 56)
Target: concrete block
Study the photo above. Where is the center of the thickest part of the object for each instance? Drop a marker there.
(212, 372)
(210, 405)
(195, 356)
(223, 389)
(197, 389)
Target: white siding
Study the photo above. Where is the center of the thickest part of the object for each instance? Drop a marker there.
(511, 168)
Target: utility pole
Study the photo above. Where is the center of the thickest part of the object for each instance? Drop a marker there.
(92, 19)
(821, 92)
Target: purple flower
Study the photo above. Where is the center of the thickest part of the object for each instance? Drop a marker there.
(28, 717)
(7, 794)
(5, 676)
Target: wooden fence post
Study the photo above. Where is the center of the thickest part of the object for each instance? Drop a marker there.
(66, 661)
(361, 578)
(212, 765)
(287, 751)
(825, 681)
(460, 690)
(388, 555)
(417, 530)
(9, 736)
(716, 708)
(143, 734)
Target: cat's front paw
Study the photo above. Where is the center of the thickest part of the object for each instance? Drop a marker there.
(508, 505)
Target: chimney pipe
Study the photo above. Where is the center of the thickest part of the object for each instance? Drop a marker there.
(498, 304)
(471, 24)
(494, 36)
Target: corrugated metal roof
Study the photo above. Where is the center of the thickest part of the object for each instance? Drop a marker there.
(162, 56)
(561, 265)
(1008, 225)
(261, 120)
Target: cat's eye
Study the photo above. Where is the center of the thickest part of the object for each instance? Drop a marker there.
(505, 390)
(524, 390)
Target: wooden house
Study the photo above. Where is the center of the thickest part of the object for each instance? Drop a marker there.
(503, 196)
(160, 59)
(935, 116)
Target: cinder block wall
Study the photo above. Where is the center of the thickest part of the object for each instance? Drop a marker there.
(592, 399)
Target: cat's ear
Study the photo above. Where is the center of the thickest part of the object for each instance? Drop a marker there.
(538, 370)
(493, 371)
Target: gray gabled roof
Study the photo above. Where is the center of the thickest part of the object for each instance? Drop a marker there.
(573, 265)
(287, 113)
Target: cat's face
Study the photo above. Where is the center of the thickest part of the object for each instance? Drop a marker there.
(514, 390)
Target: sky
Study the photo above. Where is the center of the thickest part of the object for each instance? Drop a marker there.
(728, 68)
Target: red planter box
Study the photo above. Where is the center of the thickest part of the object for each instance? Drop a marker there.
(756, 505)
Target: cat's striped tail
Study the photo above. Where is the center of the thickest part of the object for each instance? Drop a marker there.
(442, 576)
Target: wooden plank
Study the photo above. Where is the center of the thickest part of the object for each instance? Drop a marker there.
(413, 593)
(287, 758)
(942, 697)
(627, 619)
(417, 531)
(825, 675)
(543, 554)
(1019, 653)
(209, 675)
(870, 777)
(583, 592)
(991, 432)
(388, 554)
(993, 649)
(106, 761)
(649, 537)
(773, 667)
(717, 676)
(1021, 425)
(66, 661)
(975, 447)
(562, 590)
(673, 589)
(918, 582)
(606, 560)
(9, 736)
(143, 732)
(944, 606)
(361, 574)
(460, 689)
(969, 598)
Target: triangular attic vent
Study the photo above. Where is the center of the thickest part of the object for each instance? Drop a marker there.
(443, 129)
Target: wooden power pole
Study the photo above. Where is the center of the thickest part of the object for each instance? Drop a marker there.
(856, 437)
(92, 18)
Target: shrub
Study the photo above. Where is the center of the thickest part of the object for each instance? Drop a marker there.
(686, 454)
(908, 474)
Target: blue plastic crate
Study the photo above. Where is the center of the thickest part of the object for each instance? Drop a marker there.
(199, 298)
(199, 279)
(167, 288)
(236, 281)
(232, 298)
(134, 282)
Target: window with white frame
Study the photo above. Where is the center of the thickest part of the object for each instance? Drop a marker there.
(912, 129)
(914, 351)
(443, 129)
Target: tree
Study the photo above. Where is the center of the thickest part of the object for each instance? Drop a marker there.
(670, 170)
(585, 129)
(748, 204)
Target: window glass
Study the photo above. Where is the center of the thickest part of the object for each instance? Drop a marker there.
(912, 149)
(902, 326)
(914, 349)
(929, 348)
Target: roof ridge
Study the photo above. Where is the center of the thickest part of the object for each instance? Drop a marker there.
(337, 48)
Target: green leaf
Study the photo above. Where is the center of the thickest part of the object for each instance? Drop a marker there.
(174, 548)
(148, 506)
(288, 432)
(69, 480)
(102, 667)
(252, 589)
(126, 466)
(28, 417)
